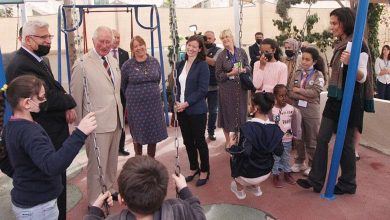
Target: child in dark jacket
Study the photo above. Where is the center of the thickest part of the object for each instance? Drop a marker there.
(37, 167)
(260, 139)
(143, 184)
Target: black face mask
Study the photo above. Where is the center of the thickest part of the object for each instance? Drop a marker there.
(289, 53)
(268, 56)
(42, 50)
(43, 106)
(258, 41)
(208, 46)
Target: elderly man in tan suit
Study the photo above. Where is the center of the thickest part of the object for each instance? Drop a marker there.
(103, 82)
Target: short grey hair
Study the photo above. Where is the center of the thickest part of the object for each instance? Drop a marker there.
(30, 27)
(101, 29)
(211, 32)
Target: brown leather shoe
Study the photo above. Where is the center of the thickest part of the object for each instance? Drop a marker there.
(277, 181)
(289, 178)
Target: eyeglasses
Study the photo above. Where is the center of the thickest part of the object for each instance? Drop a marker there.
(40, 99)
(44, 37)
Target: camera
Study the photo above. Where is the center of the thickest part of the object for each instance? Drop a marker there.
(267, 55)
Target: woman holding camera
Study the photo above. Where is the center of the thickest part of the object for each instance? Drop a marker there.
(269, 71)
(232, 98)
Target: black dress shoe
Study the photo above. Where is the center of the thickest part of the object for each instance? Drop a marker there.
(124, 153)
(190, 178)
(201, 182)
(114, 196)
(338, 191)
(305, 183)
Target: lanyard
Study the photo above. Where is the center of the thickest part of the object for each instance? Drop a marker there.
(303, 83)
(232, 58)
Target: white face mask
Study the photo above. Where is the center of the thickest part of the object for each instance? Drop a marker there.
(34, 106)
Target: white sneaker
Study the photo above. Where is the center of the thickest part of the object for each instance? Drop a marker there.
(298, 167)
(255, 190)
(307, 171)
(239, 194)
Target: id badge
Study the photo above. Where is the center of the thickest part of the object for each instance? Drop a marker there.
(302, 103)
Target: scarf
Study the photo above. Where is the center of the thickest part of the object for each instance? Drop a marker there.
(336, 89)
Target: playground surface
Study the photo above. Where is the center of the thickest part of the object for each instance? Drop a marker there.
(371, 200)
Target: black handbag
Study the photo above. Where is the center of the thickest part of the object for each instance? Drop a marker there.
(246, 82)
(236, 158)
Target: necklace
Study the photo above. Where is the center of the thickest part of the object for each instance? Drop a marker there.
(142, 67)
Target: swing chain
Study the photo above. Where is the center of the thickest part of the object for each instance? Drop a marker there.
(173, 29)
(236, 135)
(88, 105)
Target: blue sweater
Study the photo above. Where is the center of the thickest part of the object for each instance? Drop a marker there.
(260, 141)
(37, 166)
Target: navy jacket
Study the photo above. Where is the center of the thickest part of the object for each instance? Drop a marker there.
(259, 142)
(52, 118)
(197, 84)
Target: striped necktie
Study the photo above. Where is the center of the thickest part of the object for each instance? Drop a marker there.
(107, 67)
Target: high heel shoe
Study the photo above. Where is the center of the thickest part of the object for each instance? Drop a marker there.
(191, 177)
(201, 182)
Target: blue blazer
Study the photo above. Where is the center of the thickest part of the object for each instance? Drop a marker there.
(197, 84)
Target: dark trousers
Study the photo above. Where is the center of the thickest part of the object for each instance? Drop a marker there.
(347, 180)
(212, 104)
(123, 134)
(61, 200)
(192, 129)
(383, 90)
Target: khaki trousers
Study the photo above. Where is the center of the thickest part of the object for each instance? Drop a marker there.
(108, 144)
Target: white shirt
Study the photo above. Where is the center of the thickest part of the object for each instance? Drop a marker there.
(182, 81)
(33, 54)
(380, 65)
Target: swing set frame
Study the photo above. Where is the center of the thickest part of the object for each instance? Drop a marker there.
(82, 9)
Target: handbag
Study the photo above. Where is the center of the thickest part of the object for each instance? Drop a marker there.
(246, 82)
(236, 157)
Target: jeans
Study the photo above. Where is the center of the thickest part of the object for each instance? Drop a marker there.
(47, 211)
(282, 163)
(212, 103)
(192, 129)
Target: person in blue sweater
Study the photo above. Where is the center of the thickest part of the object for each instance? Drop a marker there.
(37, 166)
(253, 157)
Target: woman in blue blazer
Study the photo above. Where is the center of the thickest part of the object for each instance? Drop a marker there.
(192, 86)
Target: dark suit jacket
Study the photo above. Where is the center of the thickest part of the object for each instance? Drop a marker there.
(254, 53)
(52, 118)
(197, 85)
(123, 56)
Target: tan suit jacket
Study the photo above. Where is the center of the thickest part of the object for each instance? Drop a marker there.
(103, 94)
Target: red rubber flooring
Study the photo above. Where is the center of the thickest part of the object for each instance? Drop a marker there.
(371, 201)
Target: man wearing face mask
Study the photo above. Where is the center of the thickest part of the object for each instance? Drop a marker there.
(58, 111)
(254, 50)
(212, 95)
(292, 59)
